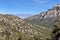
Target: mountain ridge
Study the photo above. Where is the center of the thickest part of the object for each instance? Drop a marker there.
(44, 17)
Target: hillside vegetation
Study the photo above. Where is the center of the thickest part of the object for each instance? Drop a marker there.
(14, 28)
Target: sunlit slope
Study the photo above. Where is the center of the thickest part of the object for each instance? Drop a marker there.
(14, 28)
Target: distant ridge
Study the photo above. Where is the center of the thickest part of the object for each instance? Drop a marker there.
(23, 16)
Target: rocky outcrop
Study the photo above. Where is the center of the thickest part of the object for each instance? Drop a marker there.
(46, 18)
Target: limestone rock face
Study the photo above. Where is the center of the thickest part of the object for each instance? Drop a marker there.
(53, 12)
(46, 18)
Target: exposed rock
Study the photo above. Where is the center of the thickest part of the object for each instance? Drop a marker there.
(46, 18)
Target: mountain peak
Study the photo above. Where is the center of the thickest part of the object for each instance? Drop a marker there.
(57, 6)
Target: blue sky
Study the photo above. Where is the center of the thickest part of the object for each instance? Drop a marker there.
(30, 7)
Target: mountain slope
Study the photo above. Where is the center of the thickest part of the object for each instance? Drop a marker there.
(14, 28)
(47, 18)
